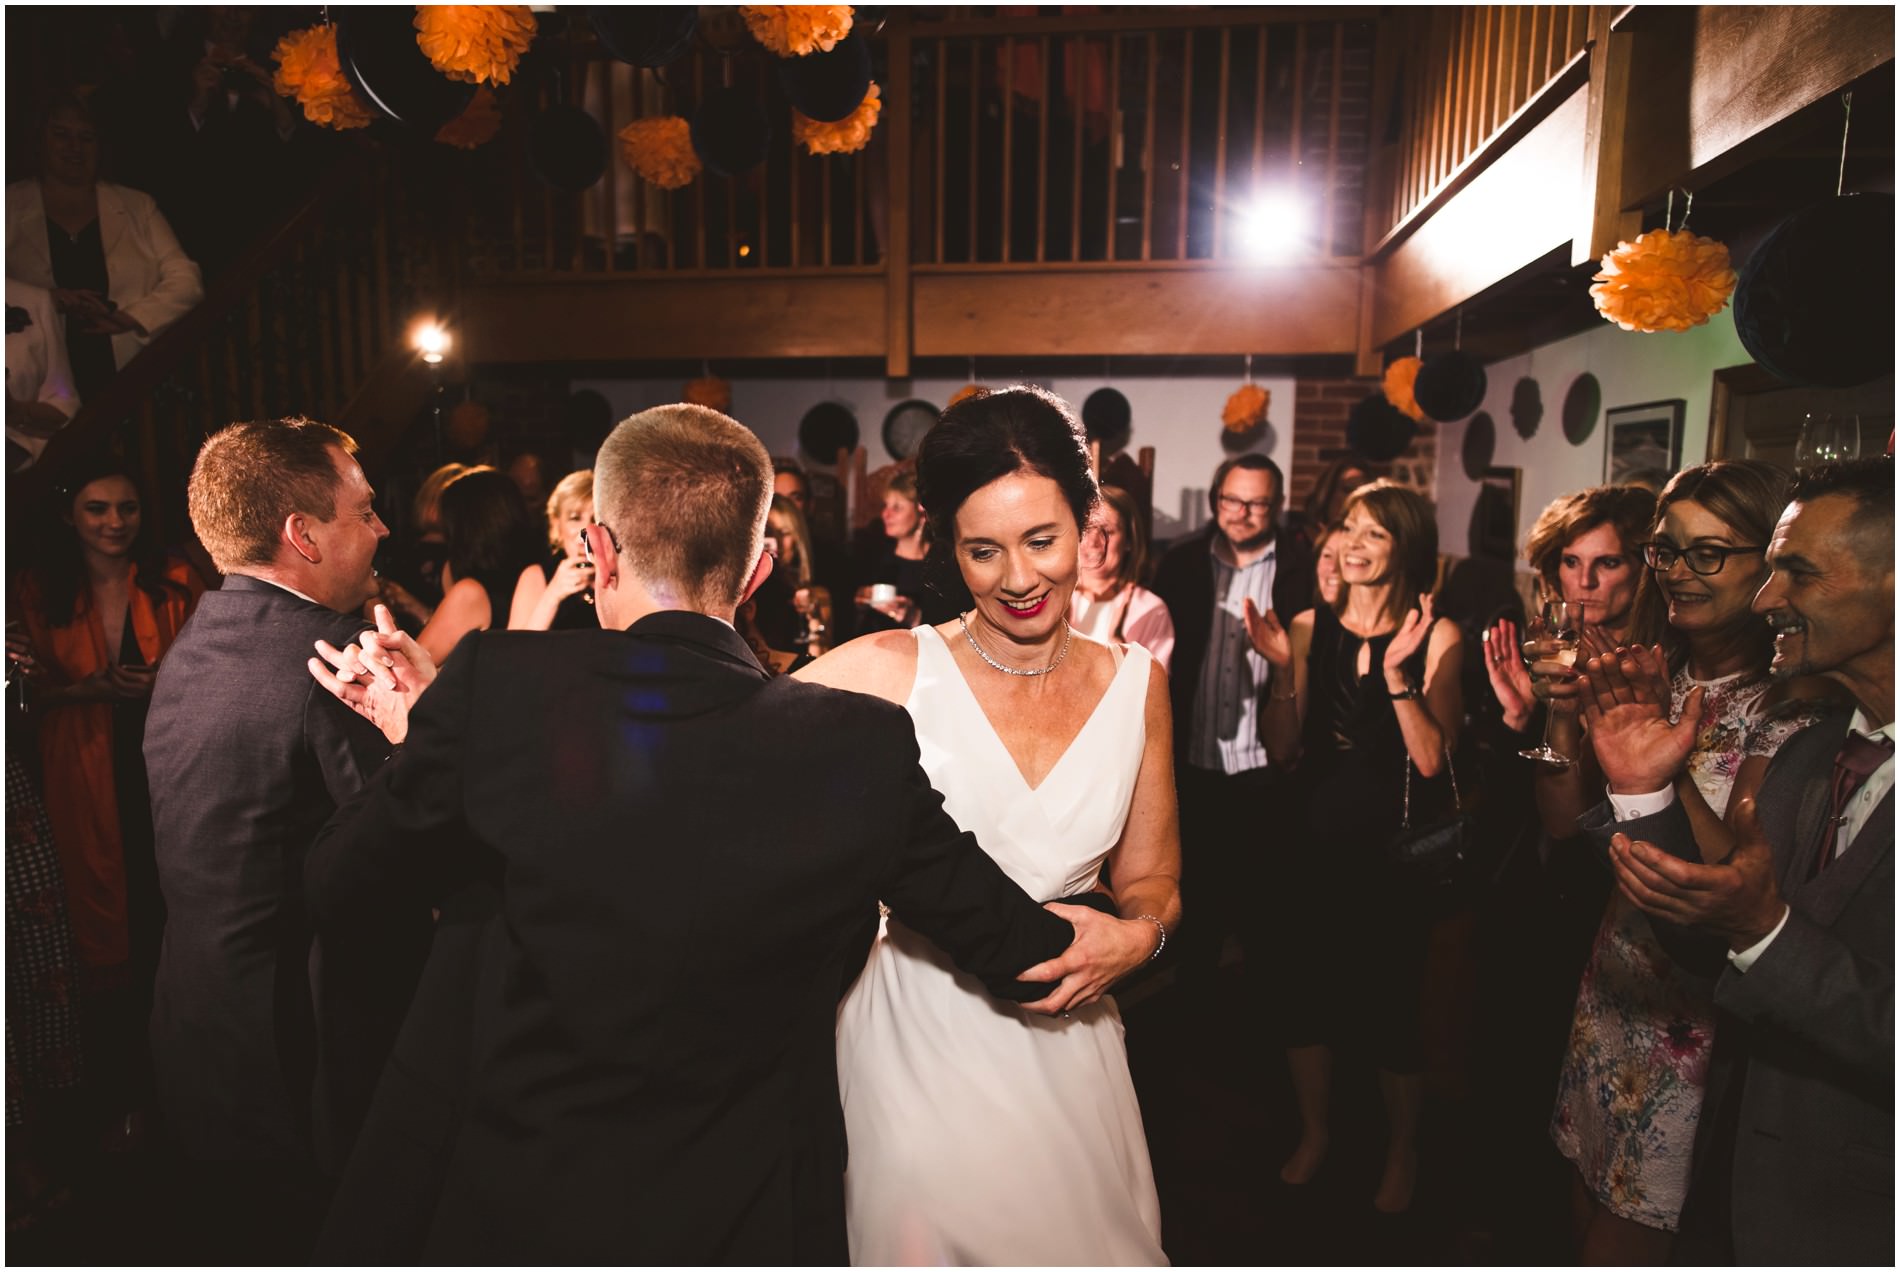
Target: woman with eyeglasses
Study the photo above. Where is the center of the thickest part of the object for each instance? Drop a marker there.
(1631, 1088)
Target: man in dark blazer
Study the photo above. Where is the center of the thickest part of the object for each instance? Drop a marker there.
(1794, 1153)
(660, 868)
(266, 1051)
(1218, 684)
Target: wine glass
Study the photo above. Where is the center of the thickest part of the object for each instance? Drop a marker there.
(1827, 438)
(1550, 648)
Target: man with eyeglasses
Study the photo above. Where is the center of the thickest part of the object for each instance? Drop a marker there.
(1794, 1153)
(1228, 795)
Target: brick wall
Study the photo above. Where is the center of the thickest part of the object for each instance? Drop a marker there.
(1320, 408)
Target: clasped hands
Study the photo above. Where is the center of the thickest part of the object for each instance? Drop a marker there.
(1625, 703)
(379, 677)
(1104, 950)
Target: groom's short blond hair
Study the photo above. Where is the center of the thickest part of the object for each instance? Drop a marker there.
(685, 491)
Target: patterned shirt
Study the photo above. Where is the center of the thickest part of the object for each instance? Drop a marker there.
(1226, 720)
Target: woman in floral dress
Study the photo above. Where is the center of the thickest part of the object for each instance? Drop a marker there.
(1631, 1088)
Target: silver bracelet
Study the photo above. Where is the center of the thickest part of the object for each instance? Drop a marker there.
(1162, 929)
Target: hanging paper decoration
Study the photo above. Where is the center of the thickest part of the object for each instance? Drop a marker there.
(660, 149)
(709, 391)
(476, 43)
(967, 391)
(1246, 410)
(476, 125)
(1666, 280)
(793, 30)
(309, 73)
(1450, 386)
(1399, 380)
(847, 136)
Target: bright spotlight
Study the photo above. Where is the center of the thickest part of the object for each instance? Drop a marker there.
(1272, 226)
(432, 342)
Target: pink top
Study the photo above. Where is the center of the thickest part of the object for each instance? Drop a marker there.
(1135, 615)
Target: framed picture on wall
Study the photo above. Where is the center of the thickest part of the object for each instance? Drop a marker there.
(1494, 519)
(1645, 443)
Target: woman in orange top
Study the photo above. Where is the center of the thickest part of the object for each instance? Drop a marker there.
(102, 604)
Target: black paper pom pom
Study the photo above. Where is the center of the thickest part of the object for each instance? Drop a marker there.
(1450, 386)
(568, 148)
(730, 131)
(1814, 304)
(645, 35)
(827, 87)
(827, 429)
(1108, 418)
(1378, 430)
(376, 46)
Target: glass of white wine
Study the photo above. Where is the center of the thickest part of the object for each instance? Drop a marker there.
(1827, 438)
(1550, 648)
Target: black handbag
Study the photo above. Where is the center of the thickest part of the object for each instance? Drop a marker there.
(1437, 854)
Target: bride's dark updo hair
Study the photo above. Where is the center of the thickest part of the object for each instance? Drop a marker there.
(991, 435)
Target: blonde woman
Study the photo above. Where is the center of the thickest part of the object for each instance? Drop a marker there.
(555, 597)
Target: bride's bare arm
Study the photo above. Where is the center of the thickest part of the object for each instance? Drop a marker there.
(1145, 870)
(882, 664)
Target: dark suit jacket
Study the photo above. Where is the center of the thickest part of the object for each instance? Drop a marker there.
(1794, 1155)
(1185, 580)
(248, 759)
(663, 869)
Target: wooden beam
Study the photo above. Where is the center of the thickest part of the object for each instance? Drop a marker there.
(1711, 80)
(1513, 212)
(1603, 220)
(838, 314)
(1284, 310)
(897, 293)
(1367, 359)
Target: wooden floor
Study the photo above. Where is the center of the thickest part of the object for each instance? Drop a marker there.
(1218, 1109)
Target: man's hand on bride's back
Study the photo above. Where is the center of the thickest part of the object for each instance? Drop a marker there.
(1105, 949)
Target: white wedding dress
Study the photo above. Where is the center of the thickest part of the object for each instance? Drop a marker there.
(980, 1133)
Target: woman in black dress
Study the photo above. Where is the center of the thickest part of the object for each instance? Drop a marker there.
(491, 545)
(1365, 698)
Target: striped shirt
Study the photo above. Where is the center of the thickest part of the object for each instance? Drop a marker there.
(1226, 720)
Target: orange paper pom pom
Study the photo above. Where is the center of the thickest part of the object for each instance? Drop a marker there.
(846, 136)
(476, 43)
(660, 149)
(476, 126)
(967, 391)
(793, 30)
(1399, 378)
(309, 74)
(1246, 409)
(709, 391)
(1664, 281)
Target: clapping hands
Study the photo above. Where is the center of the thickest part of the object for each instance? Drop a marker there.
(1626, 700)
(380, 677)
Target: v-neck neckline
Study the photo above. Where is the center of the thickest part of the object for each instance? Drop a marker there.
(1068, 748)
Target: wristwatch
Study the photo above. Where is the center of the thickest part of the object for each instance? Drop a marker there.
(1410, 691)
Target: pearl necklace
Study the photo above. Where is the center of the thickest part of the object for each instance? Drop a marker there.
(1067, 636)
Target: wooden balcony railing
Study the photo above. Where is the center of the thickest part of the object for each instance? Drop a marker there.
(1465, 75)
(1142, 136)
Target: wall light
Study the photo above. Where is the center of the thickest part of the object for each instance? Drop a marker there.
(1272, 226)
(432, 342)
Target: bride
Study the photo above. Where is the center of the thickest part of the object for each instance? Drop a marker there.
(980, 1134)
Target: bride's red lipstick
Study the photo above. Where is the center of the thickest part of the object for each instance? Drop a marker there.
(1031, 612)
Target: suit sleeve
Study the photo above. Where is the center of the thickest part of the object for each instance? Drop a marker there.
(1692, 948)
(946, 887)
(385, 839)
(1810, 984)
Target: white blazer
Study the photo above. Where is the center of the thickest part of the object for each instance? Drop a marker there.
(148, 274)
(37, 370)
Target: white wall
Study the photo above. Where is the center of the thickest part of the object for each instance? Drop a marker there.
(1179, 416)
(1630, 367)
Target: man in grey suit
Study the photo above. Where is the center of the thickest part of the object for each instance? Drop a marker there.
(1794, 1154)
(266, 1041)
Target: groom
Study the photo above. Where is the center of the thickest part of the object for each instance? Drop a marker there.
(658, 868)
